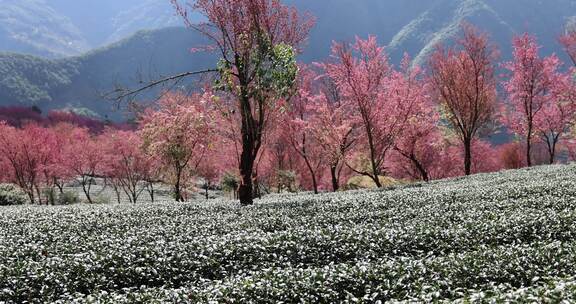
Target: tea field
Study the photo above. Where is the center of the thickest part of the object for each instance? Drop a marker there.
(505, 237)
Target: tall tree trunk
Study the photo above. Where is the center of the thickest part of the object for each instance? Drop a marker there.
(52, 193)
(257, 192)
(333, 173)
(178, 187)
(312, 174)
(249, 145)
(553, 148)
(246, 169)
(529, 146)
(30, 194)
(304, 155)
(420, 168)
(151, 191)
(59, 186)
(117, 191)
(86, 189)
(375, 171)
(467, 156)
(39, 196)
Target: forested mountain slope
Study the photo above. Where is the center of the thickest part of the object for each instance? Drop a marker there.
(62, 27)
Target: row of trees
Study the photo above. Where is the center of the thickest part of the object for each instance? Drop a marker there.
(271, 122)
(41, 160)
(356, 114)
(258, 39)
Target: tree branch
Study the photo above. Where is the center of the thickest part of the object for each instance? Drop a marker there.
(120, 93)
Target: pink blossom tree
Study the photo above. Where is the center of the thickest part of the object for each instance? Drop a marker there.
(554, 123)
(125, 162)
(361, 80)
(297, 119)
(382, 99)
(28, 153)
(49, 152)
(17, 159)
(464, 83)
(63, 136)
(511, 155)
(568, 40)
(257, 41)
(532, 91)
(82, 156)
(178, 134)
(420, 146)
(419, 141)
(333, 130)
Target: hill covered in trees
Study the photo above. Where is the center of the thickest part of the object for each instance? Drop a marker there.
(407, 26)
(81, 81)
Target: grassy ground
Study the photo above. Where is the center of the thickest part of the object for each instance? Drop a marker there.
(506, 237)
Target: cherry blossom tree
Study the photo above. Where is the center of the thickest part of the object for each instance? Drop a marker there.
(20, 165)
(178, 134)
(257, 41)
(532, 89)
(49, 152)
(333, 130)
(417, 150)
(125, 162)
(83, 158)
(420, 135)
(361, 80)
(511, 155)
(554, 124)
(297, 119)
(63, 133)
(463, 80)
(18, 116)
(93, 125)
(210, 170)
(568, 40)
(420, 146)
(382, 97)
(28, 153)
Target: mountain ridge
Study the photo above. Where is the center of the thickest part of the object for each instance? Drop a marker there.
(81, 81)
(405, 26)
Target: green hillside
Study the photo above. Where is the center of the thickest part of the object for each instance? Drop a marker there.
(32, 80)
(81, 81)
